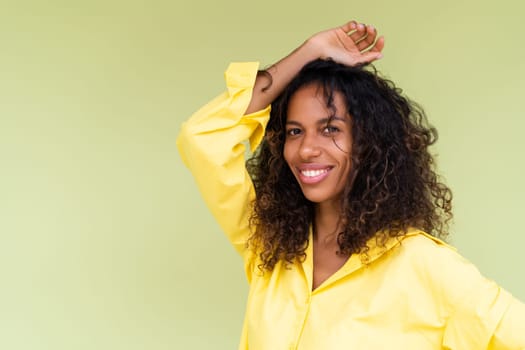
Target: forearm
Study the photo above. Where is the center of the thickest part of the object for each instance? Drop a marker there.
(266, 89)
(349, 44)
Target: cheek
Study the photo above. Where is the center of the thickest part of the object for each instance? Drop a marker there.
(346, 163)
(348, 167)
(343, 143)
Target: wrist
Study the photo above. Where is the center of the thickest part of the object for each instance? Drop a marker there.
(308, 51)
(313, 49)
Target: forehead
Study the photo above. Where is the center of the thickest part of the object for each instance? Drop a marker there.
(314, 100)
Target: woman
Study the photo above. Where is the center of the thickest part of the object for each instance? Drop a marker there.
(337, 221)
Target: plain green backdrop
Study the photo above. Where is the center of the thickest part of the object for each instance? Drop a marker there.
(104, 240)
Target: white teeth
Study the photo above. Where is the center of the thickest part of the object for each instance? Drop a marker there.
(313, 173)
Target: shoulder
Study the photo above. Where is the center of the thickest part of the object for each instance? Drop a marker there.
(421, 245)
(452, 276)
(434, 255)
(473, 306)
(417, 249)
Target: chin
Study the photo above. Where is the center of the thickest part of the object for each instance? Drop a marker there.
(317, 198)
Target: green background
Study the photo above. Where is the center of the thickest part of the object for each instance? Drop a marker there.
(104, 240)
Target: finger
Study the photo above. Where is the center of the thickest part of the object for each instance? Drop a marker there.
(369, 56)
(348, 27)
(363, 38)
(358, 33)
(378, 45)
(367, 42)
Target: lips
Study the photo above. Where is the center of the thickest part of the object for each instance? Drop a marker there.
(312, 175)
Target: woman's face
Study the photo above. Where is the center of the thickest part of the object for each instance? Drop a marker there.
(318, 143)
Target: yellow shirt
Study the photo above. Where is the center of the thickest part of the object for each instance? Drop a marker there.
(415, 293)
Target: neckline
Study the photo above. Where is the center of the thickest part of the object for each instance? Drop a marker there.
(356, 261)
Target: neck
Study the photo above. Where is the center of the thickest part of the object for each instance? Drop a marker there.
(327, 223)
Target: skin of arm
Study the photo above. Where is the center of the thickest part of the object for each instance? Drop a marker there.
(350, 44)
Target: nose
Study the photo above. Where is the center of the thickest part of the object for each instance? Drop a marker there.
(310, 147)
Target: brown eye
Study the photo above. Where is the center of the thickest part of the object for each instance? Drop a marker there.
(293, 132)
(330, 130)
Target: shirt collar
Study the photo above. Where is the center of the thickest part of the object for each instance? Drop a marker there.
(377, 247)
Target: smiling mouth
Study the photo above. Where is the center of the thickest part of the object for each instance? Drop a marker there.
(314, 173)
(312, 176)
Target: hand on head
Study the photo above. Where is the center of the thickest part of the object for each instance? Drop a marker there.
(350, 44)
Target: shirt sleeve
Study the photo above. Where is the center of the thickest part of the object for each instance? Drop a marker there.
(482, 315)
(510, 332)
(212, 146)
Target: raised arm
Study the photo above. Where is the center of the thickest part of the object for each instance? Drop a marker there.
(211, 142)
(352, 43)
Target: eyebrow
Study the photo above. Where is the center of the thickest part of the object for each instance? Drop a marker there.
(320, 121)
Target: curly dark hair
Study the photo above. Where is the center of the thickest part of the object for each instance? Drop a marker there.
(392, 186)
